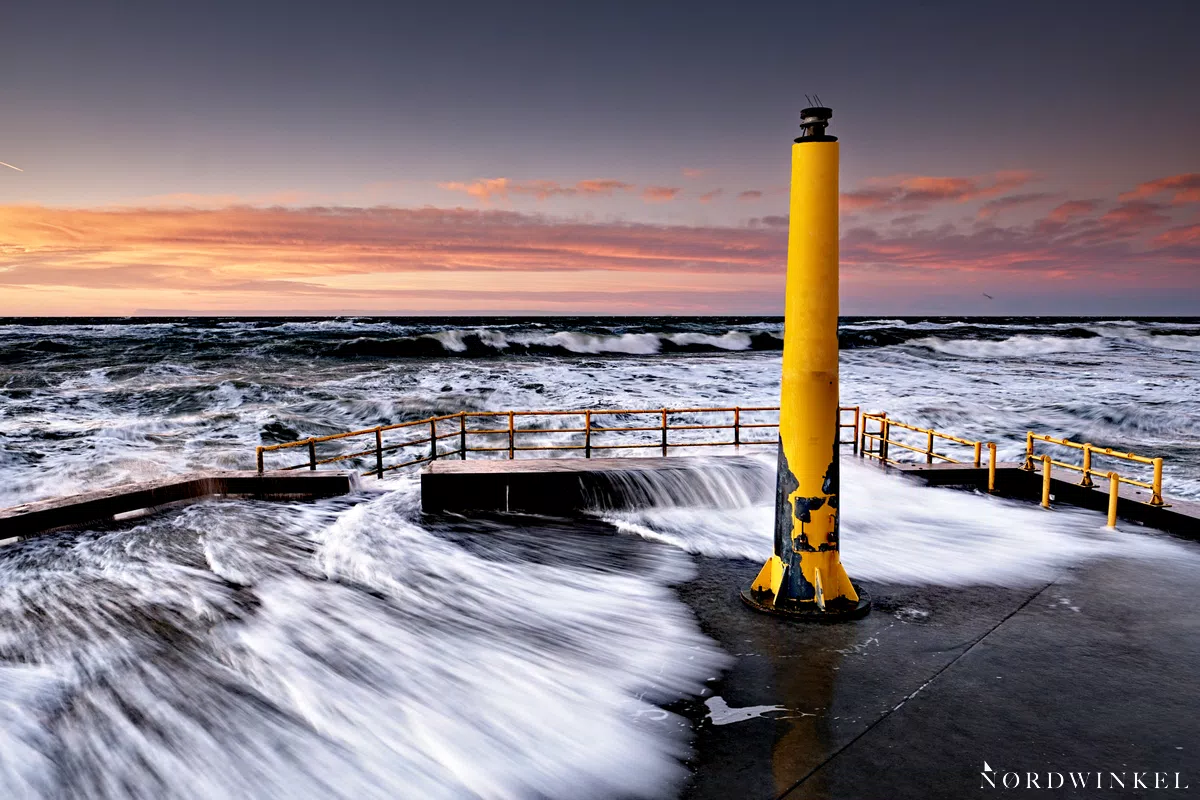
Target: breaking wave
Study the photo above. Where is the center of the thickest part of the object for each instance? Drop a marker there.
(893, 530)
(1013, 347)
(241, 649)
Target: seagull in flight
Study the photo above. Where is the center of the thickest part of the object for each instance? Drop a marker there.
(988, 296)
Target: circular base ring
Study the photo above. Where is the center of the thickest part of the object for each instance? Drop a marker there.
(835, 610)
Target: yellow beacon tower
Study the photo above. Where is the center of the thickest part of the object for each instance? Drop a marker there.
(805, 577)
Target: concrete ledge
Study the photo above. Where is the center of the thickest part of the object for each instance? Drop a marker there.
(556, 486)
(1180, 517)
(105, 504)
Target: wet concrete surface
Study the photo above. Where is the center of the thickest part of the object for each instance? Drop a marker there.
(1096, 671)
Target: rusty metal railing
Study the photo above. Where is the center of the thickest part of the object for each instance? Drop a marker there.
(583, 434)
(878, 434)
(873, 435)
(877, 443)
(1090, 451)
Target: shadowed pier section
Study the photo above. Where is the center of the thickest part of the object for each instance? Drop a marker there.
(567, 486)
(106, 504)
(561, 486)
(1181, 517)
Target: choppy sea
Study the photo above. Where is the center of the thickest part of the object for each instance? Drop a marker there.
(250, 649)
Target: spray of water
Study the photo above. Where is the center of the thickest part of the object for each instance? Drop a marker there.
(242, 649)
(893, 529)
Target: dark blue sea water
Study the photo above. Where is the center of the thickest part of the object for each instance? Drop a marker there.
(353, 648)
(91, 402)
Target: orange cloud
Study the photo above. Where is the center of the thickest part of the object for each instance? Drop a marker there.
(486, 189)
(1188, 234)
(119, 260)
(605, 187)
(750, 194)
(1185, 188)
(919, 192)
(660, 194)
(1071, 209)
(708, 197)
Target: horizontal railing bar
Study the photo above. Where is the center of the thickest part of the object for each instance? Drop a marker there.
(920, 450)
(549, 447)
(1096, 451)
(619, 430)
(345, 457)
(698, 427)
(364, 432)
(469, 414)
(595, 411)
(624, 446)
(703, 444)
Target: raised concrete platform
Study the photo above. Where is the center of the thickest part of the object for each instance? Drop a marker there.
(556, 486)
(1181, 517)
(106, 504)
(566, 486)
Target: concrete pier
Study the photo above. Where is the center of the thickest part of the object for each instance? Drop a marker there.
(1082, 670)
(1181, 517)
(556, 486)
(568, 486)
(1087, 673)
(105, 504)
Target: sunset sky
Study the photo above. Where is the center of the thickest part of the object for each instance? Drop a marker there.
(611, 158)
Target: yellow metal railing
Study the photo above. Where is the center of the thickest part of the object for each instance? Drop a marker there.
(877, 443)
(511, 438)
(878, 434)
(872, 436)
(1089, 452)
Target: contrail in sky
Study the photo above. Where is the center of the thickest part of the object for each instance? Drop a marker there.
(10, 166)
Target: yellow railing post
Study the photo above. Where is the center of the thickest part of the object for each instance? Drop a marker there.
(978, 454)
(1028, 451)
(379, 451)
(991, 467)
(664, 432)
(929, 447)
(1156, 498)
(737, 428)
(884, 431)
(511, 437)
(1087, 465)
(462, 435)
(1045, 481)
(433, 439)
(312, 453)
(857, 423)
(587, 434)
(1114, 491)
(258, 458)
